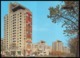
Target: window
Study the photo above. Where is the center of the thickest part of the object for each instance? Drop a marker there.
(20, 12)
(20, 21)
(28, 24)
(14, 20)
(20, 18)
(20, 29)
(19, 52)
(20, 26)
(20, 15)
(13, 52)
(13, 15)
(14, 41)
(14, 38)
(20, 40)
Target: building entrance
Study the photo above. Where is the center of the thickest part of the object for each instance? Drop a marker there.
(13, 53)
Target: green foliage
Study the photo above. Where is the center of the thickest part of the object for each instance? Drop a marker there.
(67, 13)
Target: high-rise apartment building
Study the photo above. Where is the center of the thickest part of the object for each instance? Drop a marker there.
(57, 46)
(18, 30)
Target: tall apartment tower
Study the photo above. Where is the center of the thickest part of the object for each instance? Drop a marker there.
(18, 30)
(57, 46)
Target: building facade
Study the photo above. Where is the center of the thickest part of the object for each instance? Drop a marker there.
(57, 46)
(18, 30)
(66, 50)
(1, 44)
(41, 49)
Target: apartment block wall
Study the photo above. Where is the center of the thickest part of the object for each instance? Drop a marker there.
(16, 29)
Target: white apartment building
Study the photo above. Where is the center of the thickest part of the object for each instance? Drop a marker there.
(41, 49)
(18, 30)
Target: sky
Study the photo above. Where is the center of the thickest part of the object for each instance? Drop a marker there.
(42, 27)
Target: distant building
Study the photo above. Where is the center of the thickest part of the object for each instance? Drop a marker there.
(18, 30)
(66, 50)
(57, 46)
(41, 49)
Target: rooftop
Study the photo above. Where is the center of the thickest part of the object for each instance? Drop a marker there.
(16, 6)
(42, 41)
(59, 41)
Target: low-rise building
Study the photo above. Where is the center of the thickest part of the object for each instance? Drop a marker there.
(41, 49)
(66, 50)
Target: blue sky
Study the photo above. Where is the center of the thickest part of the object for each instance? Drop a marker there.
(42, 27)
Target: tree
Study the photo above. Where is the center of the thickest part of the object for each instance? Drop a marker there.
(74, 46)
(67, 13)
